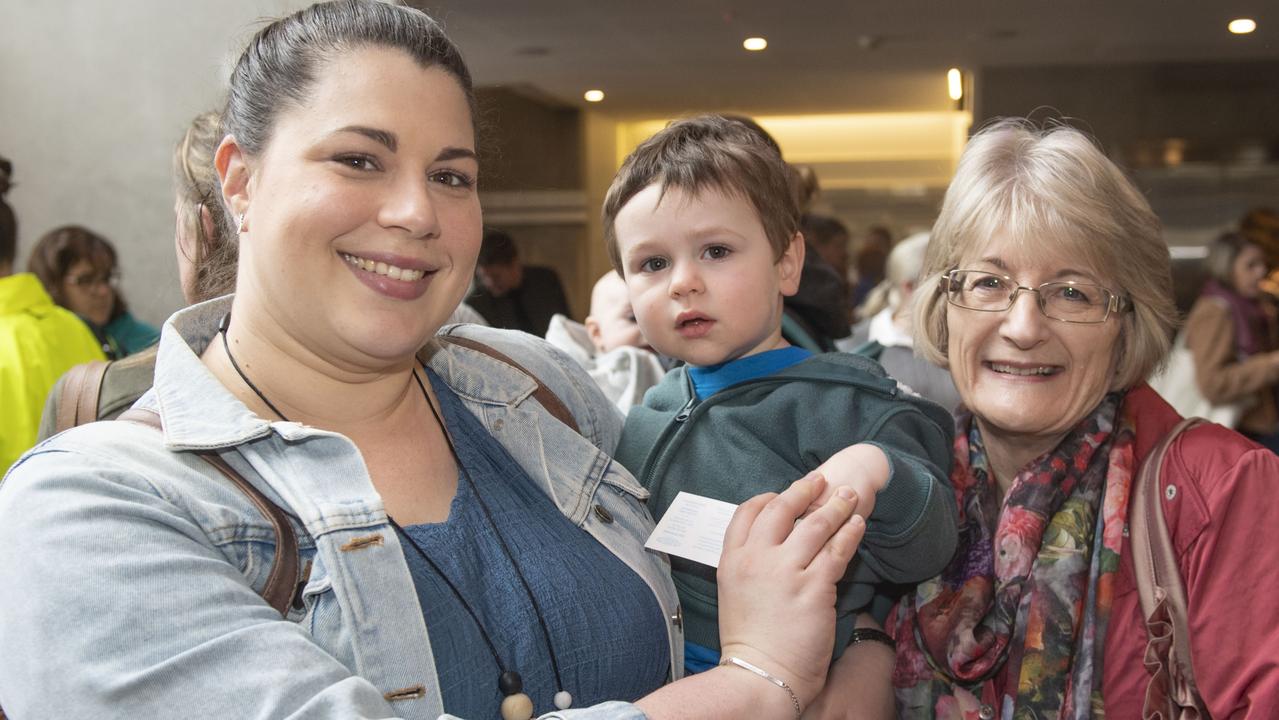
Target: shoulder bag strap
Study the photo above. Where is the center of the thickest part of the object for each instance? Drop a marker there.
(282, 582)
(542, 394)
(1172, 692)
(81, 389)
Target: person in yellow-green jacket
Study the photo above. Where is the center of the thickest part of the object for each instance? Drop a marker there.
(38, 342)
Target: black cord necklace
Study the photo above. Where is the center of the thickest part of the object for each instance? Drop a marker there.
(516, 705)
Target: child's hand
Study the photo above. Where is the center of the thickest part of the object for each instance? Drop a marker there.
(862, 467)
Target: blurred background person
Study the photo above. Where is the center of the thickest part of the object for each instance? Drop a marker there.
(510, 294)
(78, 269)
(610, 346)
(1260, 226)
(38, 341)
(1232, 334)
(828, 238)
(868, 264)
(816, 316)
(207, 249)
(887, 332)
(821, 306)
(206, 269)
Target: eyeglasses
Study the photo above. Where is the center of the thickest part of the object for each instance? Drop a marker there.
(1069, 301)
(111, 279)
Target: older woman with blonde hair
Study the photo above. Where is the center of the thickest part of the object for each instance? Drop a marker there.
(1048, 297)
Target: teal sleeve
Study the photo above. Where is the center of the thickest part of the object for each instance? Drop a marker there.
(911, 534)
(131, 334)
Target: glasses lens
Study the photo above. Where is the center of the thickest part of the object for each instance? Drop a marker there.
(977, 290)
(90, 280)
(1075, 302)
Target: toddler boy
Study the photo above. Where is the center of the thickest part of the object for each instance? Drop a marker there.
(702, 225)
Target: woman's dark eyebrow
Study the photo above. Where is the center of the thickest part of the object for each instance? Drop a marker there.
(455, 153)
(380, 136)
(391, 142)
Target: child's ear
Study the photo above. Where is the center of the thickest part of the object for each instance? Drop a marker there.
(791, 265)
(596, 335)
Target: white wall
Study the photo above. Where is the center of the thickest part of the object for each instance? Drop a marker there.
(93, 97)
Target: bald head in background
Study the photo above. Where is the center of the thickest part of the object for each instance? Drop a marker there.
(611, 323)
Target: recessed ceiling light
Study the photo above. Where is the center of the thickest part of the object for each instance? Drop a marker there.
(755, 44)
(955, 83)
(1242, 26)
(593, 95)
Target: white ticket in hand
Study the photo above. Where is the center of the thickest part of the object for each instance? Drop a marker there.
(693, 528)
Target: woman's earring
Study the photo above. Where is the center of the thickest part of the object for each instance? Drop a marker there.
(243, 228)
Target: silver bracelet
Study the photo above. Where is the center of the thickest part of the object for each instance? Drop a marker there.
(794, 699)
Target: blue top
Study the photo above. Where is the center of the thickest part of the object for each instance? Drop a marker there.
(711, 379)
(606, 628)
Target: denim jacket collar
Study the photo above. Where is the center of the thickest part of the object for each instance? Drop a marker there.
(226, 422)
(199, 412)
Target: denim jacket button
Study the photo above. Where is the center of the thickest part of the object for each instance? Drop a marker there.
(603, 514)
(497, 424)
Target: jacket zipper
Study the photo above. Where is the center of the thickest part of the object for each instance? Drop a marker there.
(663, 441)
(685, 411)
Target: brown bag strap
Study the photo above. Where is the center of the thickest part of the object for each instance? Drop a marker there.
(542, 394)
(1172, 692)
(282, 581)
(81, 389)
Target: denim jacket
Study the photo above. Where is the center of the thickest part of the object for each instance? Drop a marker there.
(130, 573)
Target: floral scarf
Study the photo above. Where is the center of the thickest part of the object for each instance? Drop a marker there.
(1018, 618)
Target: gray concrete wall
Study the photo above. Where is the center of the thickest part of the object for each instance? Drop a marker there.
(93, 97)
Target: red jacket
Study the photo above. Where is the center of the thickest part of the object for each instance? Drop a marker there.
(1224, 520)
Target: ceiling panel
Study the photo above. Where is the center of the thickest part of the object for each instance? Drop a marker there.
(663, 56)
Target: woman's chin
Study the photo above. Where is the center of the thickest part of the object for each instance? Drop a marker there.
(1019, 419)
(1015, 398)
(388, 340)
(392, 350)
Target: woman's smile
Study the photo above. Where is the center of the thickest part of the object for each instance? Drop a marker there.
(391, 270)
(1014, 371)
(389, 275)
